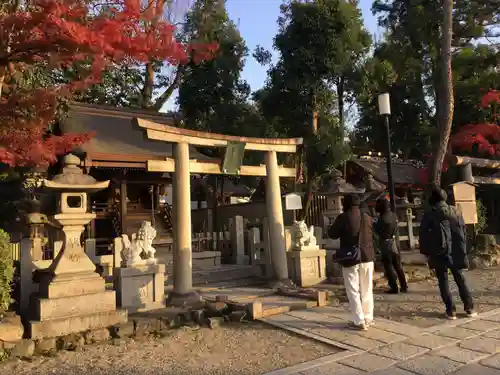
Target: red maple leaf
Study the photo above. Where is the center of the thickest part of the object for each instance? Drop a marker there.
(491, 97)
(483, 138)
(56, 34)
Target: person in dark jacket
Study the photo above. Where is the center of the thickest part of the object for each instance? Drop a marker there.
(385, 228)
(354, 229)
(443, 242)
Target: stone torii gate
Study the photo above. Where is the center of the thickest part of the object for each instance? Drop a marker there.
(182, 166)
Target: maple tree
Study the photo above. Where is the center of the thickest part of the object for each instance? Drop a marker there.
(58, 35)
(481, 139)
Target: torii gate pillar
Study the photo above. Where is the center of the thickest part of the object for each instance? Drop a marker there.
(183, 267)
(275, 216)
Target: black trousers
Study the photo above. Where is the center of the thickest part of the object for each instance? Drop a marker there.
(444, 288)
(394, 271)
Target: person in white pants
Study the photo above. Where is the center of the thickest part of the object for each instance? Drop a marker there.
(354, 229)
(358, 282)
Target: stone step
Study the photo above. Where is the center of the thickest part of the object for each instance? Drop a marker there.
(218, 274)
(245, 282)
(223, 273)
(275, 305)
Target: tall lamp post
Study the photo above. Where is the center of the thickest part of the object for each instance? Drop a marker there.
(384, 108)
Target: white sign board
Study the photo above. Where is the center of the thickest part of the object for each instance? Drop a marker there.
(293, 202)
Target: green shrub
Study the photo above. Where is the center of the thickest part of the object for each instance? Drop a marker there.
(481, 217)
(6, 272)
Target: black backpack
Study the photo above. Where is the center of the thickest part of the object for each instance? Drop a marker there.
(434, 234)
(458, 239)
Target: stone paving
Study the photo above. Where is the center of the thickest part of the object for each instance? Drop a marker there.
(463, 347)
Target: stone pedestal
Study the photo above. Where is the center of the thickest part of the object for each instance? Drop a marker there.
(72, 297)
(140, 288)
(73, 304)
(307, 266)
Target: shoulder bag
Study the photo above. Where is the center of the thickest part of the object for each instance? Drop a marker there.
(351, 256)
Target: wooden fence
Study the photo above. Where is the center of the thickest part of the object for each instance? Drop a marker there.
(317, 208)
(15, 249)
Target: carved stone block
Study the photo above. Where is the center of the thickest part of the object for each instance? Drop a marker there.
(140, 288)
(307, 268)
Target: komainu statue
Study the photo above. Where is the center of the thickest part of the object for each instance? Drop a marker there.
(140, 250)
(302, 236)
(145, 237)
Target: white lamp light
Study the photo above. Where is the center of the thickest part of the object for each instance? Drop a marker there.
(384, 104)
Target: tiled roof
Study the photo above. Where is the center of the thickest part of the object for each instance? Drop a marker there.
(114, 132)
(404, 173)
(334, 184)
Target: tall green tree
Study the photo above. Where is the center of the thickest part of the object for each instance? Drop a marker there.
(322, 40)
(393, 69)
(412, 48)
(319, 43)
(212, 95)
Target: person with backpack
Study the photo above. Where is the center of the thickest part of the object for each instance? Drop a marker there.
(443, 240)
(356, 255)
(385, 228)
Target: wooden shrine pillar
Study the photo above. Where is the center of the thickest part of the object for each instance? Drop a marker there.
(466, 173)
(123, 205)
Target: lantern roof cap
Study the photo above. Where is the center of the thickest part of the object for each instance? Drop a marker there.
(72, 178)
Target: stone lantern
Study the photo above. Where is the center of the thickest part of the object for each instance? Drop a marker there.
(373, 189)
(335, 189)
(72, 296)
(73, 186)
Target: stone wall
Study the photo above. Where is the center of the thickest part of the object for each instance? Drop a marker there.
(486, 253)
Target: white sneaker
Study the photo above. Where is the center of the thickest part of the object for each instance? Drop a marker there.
(369, 322)
(357, 327)
(471, 313)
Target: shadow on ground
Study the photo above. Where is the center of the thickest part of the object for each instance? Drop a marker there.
(234, 348)
(422, 306)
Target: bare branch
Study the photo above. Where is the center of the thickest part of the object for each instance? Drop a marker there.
(163, 98)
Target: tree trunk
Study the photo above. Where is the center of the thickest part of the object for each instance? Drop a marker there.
(308, 201)
(149, 78)
(310, 177)
(2, 79)
(340, 99)
(163, 98)
(446, 100)
(147, 90)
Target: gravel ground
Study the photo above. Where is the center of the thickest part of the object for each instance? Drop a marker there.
(423, 306)
(252, 348)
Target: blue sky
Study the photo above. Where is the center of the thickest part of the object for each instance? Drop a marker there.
(256, 20)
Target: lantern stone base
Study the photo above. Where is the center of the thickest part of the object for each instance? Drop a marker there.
(75, 324)
(307, 267)
(60, 286)
(140, 288)
(71, 303)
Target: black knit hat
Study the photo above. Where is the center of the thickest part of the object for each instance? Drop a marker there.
(437, 195)
(351, 200)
